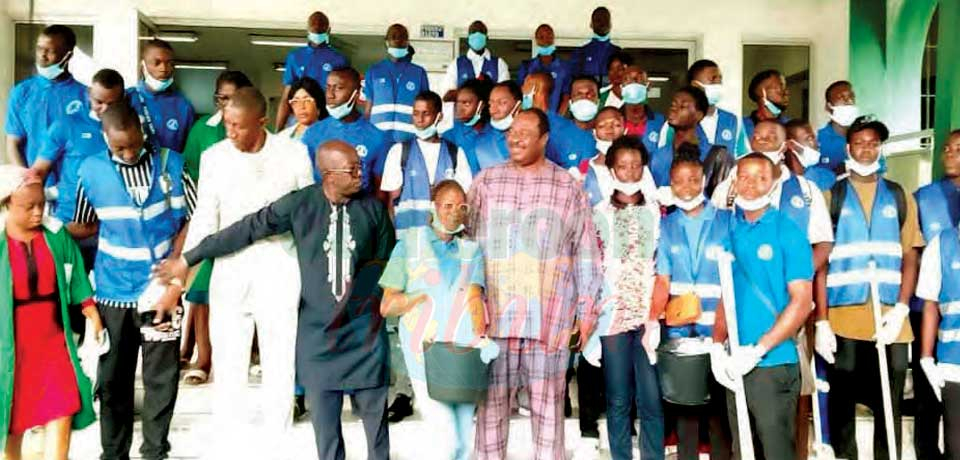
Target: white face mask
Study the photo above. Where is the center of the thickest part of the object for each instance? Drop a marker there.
(688, 204)
(602, 145)
(504, 123)
(154, 84)
(775, 156)
(752, 205)
(626, 188)
(844, 115)
(808, 156)
(863, 169)
(714, 92)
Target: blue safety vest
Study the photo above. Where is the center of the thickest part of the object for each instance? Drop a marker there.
(593, 58)
(491, 148)
(489, 71)
(726, 134)
(939, 206)
(748, 124)
(314, 62)
(661, 157)
(651, 133)
(390, 87)
(132, 237)
(857, 244)
(795, 202)
(696, 272)
(821, 176)
(413, 205)
(558, 69)
(167, 115)
(465, 137)
(948, 337)
(591, 184)
(833, 147)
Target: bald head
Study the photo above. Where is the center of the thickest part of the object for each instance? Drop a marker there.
(336, 154)
(249, 99)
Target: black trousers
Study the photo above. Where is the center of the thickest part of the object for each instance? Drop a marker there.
(590, 395)
(951, 420)
(115, 384)
(698, 422)
(855, 377)
(926, 419)
(772, 394)
(369, 404)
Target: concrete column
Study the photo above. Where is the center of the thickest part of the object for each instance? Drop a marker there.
(116, 40)
(947, 116)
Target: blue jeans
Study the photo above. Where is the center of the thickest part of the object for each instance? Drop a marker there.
(630, 377)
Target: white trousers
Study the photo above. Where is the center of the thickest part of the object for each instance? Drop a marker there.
(231, 336)
(450, 426)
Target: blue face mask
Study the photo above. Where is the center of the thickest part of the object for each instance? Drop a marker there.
(477, 41)
(318, 39)
(398, 53)
(634, 93)
(601, 38)
(50, 72)
(154, 84)
(428, 132)
(476, 116)
(545, 50)
(527, 102)
(774, 109)
(584, 109)
(344, 109)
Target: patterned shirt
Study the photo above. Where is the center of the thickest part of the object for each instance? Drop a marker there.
(542, 257)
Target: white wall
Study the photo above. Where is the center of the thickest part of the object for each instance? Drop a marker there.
(6, 68)
(719, 28)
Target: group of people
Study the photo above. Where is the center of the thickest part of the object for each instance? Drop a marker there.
(674, 263)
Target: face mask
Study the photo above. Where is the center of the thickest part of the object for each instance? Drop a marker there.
(688, 205)
(808, 156)
(752, 205)
(438, 225)
(94, 116)
(504, 123)
(318, 39)
(476, 116)
(117, 159)
(774, 109)
(53, 71)
(584, 109)
(775, 156)
(844, 115)
(428, 132)
(634, 93)
(527, 102)
(601, 38)
(714, 92)
(344, 109)
(545, 50)
(154, 84)
(862, 169)
(603, 146)
(626, 188)
(398, 53)
(477, 41)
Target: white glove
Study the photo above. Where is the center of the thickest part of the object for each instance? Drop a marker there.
(891, 323)
(651, 340)
(746, 358)
(720, 365)
(825, 341)
(934, 376)
(823, 452)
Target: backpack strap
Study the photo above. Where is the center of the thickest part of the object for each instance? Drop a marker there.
(900, 198)
(453, 151)
(838, 193)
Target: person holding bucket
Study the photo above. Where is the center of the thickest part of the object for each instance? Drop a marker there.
(691, 238)
(434, 281)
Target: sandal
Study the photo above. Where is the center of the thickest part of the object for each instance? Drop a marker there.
(195, 377)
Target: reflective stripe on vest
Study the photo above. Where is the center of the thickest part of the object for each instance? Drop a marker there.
(948, 351)
(414, 203)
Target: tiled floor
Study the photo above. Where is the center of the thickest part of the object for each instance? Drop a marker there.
(191, 430)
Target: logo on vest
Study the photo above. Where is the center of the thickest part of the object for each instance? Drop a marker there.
(448, 173)
(301, 69)
(327, 67)
(173, 124)
(955, 265)
(726, 135)
(935, 226)
(411, 86)
(86, 135)
(572, 156)
(653, 136)
(554, 75)
(825, 160)
(713, 252)
(765, 252)
(413, 173)
(845, 212)
(675, 249)
(589, 58)
(361, 150)
(890, 211)
(72, 107)
(797, 202)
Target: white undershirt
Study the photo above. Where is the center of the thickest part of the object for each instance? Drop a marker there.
(393, 175)
(709, 125)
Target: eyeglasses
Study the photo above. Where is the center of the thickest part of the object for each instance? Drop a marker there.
(302, 101)
(461, 208)
(354, 171)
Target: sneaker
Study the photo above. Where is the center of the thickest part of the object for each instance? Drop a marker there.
(299, 408)
(400, 409)
(587, 449)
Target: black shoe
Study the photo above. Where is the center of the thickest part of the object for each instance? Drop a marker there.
(299, 408)
(567, 406)
(400, 409)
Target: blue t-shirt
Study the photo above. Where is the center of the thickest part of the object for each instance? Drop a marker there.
(69, 141)
(36, 103)
(833, 147)
(314, 62)
(370, 142)
(171, 114)
(558, 69)
(769, 254)
(568, 144)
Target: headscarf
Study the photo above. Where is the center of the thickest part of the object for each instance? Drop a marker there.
(13, 177)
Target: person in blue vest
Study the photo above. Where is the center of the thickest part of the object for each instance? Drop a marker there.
(939, 287)
(491, 145)
(611, 95)
(687, 108)
(167, 114)
(392, 84)
(567, 144)
(139, 199)
(805, 154)
(690, 239)
(413, 167)
(478, 63)
(545, 60)
(720, 127)
(768, 90)
(73, 138)
(42, 99)
(592, 58)
(584, 102)
(315, 60)
(938, 205)
(472, 119)
(772, 283)
(841, 104)
(641, 120)
(888, 234)
(347, 124)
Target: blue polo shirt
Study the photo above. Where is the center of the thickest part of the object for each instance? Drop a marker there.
(592, 59)
(769, 254)
(69, 141)
(465, 137)
(558, 69)
(749, 123)
(568, 144)
(370, 142)
(314, 62)
(35, 103)
(170, 111)
(833, 147)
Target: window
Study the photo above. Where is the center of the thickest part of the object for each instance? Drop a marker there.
(928, 77)
(25, 41)
(793, 61)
